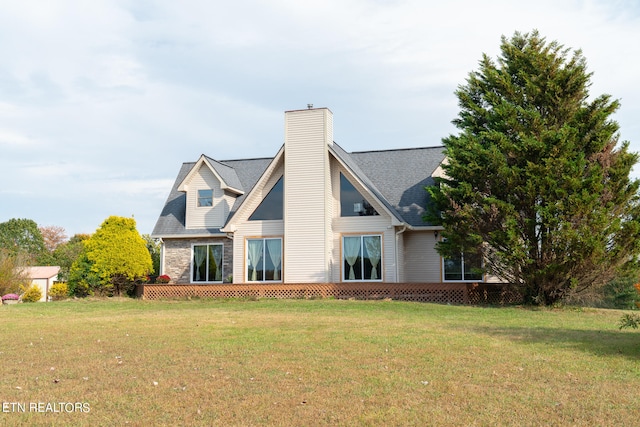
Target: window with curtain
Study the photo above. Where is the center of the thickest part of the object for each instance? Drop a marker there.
(463, 268)
(264, 260)
(206, 265)
(362, 258)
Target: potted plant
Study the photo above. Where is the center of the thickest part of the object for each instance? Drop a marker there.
(10, 299)
(163, 279)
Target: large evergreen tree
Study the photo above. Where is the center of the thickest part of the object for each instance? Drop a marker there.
(535, 180)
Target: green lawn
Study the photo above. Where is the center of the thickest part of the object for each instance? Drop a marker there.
(319, 362)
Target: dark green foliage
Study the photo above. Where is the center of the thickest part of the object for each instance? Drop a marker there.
(22, 236)
(629, 320)
(65, 254)
(153, 246)
(535, 180)
(620, 293)
(82, 280)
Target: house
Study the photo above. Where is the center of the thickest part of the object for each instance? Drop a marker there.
(42, 277)
(312, 215)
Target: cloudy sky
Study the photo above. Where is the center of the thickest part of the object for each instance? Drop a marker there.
(101, 101)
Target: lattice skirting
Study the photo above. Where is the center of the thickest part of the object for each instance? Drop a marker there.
(493, 294)
(447, 293)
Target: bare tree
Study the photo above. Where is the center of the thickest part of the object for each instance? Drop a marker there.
(53, 236)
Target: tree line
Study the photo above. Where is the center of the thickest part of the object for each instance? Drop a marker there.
(109, 262)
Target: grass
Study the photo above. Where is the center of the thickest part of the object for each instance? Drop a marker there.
(322, 362)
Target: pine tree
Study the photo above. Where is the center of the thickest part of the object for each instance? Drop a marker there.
(535, 181)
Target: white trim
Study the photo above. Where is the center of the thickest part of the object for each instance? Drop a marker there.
(394, 219)
(463, 280)
(189, 236)
(264, 252)
(162, 252)
(199, 198)
(425, 227)
(183, 186)
(397, 236)
(232, 223)
(382, 270)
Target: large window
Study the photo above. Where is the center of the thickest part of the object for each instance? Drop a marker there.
(362, 257)
(264, 260)
(206, 264)
(463, 268)
(205, 198)
(351, 201)
(271, 206)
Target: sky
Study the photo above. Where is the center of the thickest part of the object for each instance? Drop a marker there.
(102, 101)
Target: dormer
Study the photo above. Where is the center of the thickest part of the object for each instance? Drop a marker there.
(211, 188)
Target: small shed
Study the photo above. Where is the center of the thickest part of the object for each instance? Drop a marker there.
(43, 277)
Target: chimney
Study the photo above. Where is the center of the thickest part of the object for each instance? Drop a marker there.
(307, 195)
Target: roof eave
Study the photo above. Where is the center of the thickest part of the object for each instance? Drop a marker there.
(203, 160)
(396, 220)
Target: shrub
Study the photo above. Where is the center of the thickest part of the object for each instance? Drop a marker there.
(59, 291)
(32, 294)
(12, 275)
(79, 288)
(629, 320)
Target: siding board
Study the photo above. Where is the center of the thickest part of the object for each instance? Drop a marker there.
(201, 217)
(421, 260)
(306, 183)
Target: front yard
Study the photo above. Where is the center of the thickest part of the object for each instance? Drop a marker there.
(314, 362)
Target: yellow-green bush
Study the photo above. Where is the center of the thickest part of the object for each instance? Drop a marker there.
(33, 294)
(59, 291)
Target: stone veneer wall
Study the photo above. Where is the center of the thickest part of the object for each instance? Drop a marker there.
(177, 257)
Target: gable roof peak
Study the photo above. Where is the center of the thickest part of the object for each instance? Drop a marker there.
(224, 173)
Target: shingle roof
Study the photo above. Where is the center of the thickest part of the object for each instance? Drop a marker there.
(401, 177)
(249, 172)
(396, 177)
(172, 218)
(350, 162)
(228, 173)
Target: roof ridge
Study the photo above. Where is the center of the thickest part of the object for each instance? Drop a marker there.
(431, 147)
(220, 162)
(398, 149)
(242, 160)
